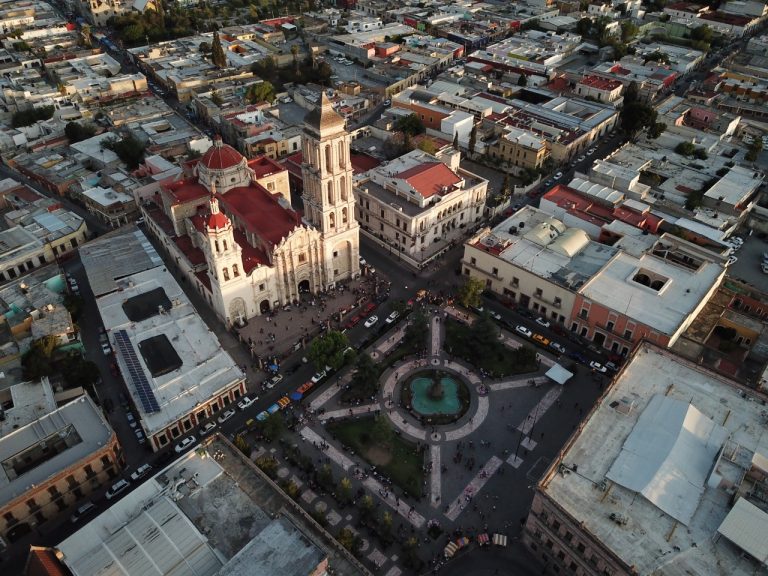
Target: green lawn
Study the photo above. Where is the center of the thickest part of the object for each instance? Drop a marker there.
(496, 358)
(405, 466)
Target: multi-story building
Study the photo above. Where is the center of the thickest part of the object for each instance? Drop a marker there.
(230, 226)
(419, 204)
(176, 371)
(600, 89)
(53, 459)
(111, 207)
(665, 475)
(520, 148)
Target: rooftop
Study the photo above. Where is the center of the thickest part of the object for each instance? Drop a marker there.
(209, 513)
(107, 196)
(51, 444)
(205, 368)
(652, 541)
(659, 293)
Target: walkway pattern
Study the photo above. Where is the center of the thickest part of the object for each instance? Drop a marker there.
(435, 484)
(435, 336)
(383, 348)
(354, 411)
(331, 451)
(399, 506)
(472, 489)
(519, 383)
(540, 409)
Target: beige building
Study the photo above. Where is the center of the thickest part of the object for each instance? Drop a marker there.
(52, 458)
(111, 207)
(230, 227)
(520, 148)
(665, 475)
(535, 261)
(418, 204)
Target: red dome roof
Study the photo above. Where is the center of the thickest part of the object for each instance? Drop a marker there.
(221, 156)
(218, 220)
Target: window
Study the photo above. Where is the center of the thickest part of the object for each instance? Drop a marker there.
(302, 257)
(105, 462)
(628, 334)
(162, 440)
(558, 302)
(235, 270)
(41, 260)
(580, 548)
(225, 272)
(515, 281)
(335, 253)
(187, 424)
(495, 272)
(473, 261)
(609, 326)
(584, 313)
(555, 525)
(71, 481)
(568, 536)
(538, 293)
(89, 471)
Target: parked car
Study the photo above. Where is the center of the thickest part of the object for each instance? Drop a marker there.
(139, 436)
(245, 402)
(117, 488)
(226, 415)
(731, 260)
(184, 444)
(207, 428)
(542, 322)
(598, 367)
(520, 329)
(274, 381)
(319, 376)
(392, 317)
(495, 315)
(131, 420)
(558, 175)
(84, 510)
(106, 349)
(371, 321)
(354, 321)
(141, 471)
(578, 356)
(557, 347)
(369, 308)
(581, 159)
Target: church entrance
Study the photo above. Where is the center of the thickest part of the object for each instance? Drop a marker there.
(264, 306)
(304, 287)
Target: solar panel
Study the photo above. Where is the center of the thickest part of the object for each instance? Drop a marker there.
(138, 378)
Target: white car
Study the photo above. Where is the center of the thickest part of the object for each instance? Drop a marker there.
(581, 159)
(245, 402)
(495, 315)
(520, 329)
(392, 317)
(207, 428)
(274, 381)
(117, 488)
(184, 444)
(371, 321)
(362, 261)
(141, 471)
(542, 322)
(731, 260)
(559, 348)
(598, 367)
(558, 175)
(106, 349)
(764, 268)
(226, 416)
(319, 376)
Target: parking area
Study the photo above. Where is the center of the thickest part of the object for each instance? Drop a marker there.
(750, 255)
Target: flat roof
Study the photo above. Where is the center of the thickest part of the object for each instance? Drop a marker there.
(735, 186)
(31, 400)
(205, 516)
(73, 431)
(117, 255)
(651, 541)
(206, 368)
(663, 310)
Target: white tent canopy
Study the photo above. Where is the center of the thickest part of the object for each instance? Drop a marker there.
(747, 527)
(559, 374)
(668, 456)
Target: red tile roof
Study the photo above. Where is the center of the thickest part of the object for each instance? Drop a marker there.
(162, 221)
(252, 256)
(600, 83)
(194, 255)
(430, 178)
(43, 562)
(263, 166)
(262, 214)
(218, 220)
(221, 156)
(186, 190)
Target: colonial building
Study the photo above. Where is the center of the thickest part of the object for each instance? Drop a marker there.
(230, 226)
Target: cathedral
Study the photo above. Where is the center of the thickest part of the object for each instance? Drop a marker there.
(229, 223)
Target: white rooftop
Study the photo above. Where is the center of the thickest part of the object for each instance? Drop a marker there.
(747, 527)
(663, 310)
(651, 541)
(596, 190)
(72, 433)
(30, 401)
(106, 196)
(206, 370)
(733, 188)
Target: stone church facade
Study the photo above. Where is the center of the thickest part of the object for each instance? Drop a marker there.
(228, 223)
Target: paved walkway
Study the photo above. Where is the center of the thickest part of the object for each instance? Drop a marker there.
(519, 383)
(383, 348)
(473, 488)
(538, 411)
(355, 411)
(331, 451)
(435, 336)
(394, 502)
(435, 477)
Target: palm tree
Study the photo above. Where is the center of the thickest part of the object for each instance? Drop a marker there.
(295, 54)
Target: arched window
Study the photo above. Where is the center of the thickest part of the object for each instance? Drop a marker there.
(343, 215)
(332, 220)
(225, 245)
(341, 154)
(330, 191)
(328, 163)
(217, 246)
(343, 186)
(225, 271)
(235, 271)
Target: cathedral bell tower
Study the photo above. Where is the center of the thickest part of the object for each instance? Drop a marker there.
(224, 255)
(329, 204)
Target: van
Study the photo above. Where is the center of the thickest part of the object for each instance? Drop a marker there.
(117, 488)
(86, 508)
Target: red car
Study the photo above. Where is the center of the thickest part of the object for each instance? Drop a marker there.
(368, 309)
(353, 322)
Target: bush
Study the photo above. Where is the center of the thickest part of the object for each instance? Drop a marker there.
(28, 117)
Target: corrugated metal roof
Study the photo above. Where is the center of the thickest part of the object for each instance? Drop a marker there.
(747, 527)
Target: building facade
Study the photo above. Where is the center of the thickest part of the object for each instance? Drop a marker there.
(232, 230)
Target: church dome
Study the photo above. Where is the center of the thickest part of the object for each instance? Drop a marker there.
(221, 156)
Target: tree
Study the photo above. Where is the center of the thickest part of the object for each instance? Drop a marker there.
(128, 148)
(218, 57)
(632, 93)
(295, 54)
(754, 149)
(628, 30)
(261, 92)
(31, 115)
(366, 505)
(346, 538)
(415, 336)
(216, 98)
(636, 116)
(484, 334)
(522, 80)
(472, 139)
(410, 125)
(205, 48)
(325, 476)
(381, 431)
(685, 149)
(345, 490)
(328, 350)
(268, 465)
(702, 33)
(456, 141)
(657, 56)
(427, 145)
(77, 132)
(469, 293)
(656, 130)
(584, 27)
(366, 373)
(273, 426)
(386, 523)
